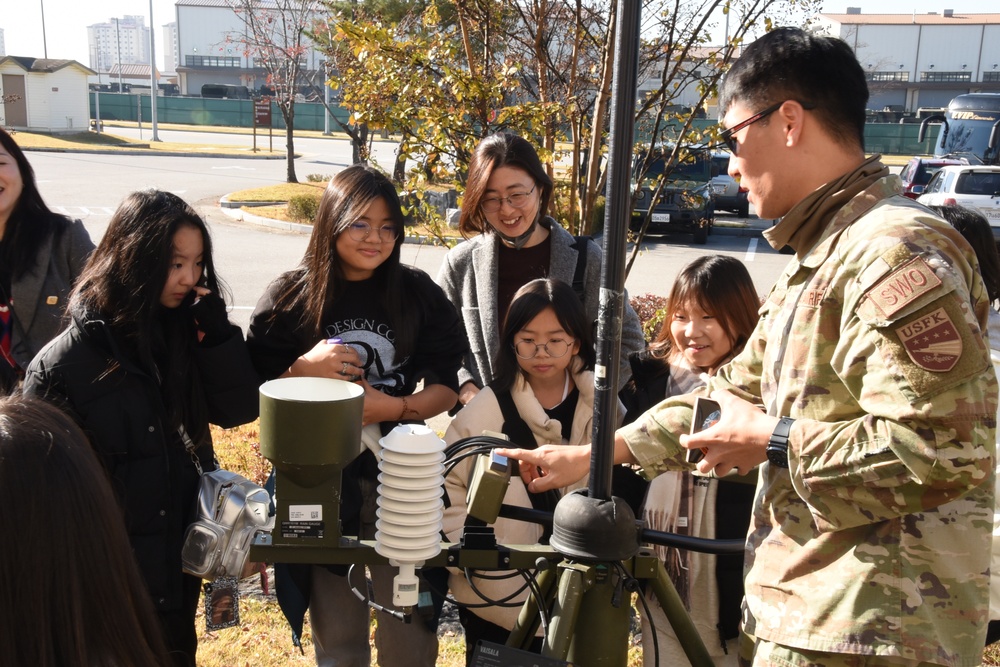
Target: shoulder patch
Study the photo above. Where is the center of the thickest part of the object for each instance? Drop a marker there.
(924, 365)
(903, 286)
(932, 341)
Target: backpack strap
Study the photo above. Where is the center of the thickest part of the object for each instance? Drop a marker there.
(520, 434)
(514, 427)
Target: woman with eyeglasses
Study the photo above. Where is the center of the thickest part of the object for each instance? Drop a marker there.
(351, 311)
(511, 241)
(42, 254)
(542, 393)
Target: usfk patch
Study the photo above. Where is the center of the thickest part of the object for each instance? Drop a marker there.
(903, 286)
(932, 341)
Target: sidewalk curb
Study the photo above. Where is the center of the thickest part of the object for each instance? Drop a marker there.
(140, 151)
(233, 210)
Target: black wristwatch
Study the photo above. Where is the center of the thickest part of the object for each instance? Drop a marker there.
(777, 446)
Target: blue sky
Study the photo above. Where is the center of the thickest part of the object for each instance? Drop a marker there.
(66, 20)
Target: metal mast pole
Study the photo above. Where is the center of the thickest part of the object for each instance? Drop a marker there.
(616, 217)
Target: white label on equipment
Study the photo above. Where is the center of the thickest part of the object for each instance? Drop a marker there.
(661, 217)
(305, 513)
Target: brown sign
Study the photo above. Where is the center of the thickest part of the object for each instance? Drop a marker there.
(262, 112)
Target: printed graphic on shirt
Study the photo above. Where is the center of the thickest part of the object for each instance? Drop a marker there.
(373, 340)
(932, 341)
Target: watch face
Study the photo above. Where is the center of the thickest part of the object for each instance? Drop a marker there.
(778, 456)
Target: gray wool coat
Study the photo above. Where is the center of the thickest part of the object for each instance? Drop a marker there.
(468, 276)
(40, 294)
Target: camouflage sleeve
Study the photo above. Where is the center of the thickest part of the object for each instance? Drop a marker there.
(912, 362)
(653, 437)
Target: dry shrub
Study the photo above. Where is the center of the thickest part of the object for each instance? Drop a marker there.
(651, 310)
(303, 208)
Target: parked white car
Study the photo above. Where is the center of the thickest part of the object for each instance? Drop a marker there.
(726, 192)
(972, 186)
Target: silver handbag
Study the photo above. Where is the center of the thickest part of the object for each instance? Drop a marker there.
(230, 511)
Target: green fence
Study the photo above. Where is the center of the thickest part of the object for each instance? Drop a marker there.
(886, 138)
(201, 111)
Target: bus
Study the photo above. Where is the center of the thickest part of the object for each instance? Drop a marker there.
(970, 128)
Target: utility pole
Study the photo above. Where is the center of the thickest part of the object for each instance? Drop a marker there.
(153, 88)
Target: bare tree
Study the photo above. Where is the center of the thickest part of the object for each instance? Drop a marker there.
(276, 38)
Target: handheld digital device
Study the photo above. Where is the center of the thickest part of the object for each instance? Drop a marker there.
(706, 413)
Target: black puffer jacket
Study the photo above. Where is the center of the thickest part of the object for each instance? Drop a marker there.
(120, 408)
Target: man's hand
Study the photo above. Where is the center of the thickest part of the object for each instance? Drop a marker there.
(738, 441)
(551, 466)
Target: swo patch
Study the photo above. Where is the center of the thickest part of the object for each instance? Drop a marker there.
(903, 286)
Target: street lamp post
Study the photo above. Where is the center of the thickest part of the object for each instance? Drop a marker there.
(118, 45)
(45, 43)
(97, 94)
(153, 88)
(326, 98)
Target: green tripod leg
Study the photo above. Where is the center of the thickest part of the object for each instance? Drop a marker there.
(674, 609)
(585, 627)
(530, 617)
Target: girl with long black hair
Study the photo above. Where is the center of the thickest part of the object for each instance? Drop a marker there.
(148, 361)
(351, 311)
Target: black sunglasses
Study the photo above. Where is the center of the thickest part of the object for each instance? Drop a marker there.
(727, 134)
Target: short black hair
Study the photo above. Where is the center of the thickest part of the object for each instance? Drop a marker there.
(977, 231)
(792, 64)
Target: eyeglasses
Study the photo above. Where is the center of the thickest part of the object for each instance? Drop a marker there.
(555, 348)
(517, 200)
(360, 230)
(727, 134)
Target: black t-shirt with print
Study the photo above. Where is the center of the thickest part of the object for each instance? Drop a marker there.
(359, 319)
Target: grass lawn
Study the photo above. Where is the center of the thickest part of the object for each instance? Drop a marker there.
(111, 142)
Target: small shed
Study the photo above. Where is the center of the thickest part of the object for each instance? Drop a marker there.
(44, 94)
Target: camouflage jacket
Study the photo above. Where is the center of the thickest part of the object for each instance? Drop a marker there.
(876, 540)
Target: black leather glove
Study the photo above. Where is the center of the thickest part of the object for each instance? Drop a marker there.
(210, 317)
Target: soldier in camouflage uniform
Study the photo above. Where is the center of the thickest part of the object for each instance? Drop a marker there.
(866, 393)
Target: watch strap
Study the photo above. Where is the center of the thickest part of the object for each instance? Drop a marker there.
(777, 446)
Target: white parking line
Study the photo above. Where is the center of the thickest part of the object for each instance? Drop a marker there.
(751, 250)
(62, 209)
(86, 211)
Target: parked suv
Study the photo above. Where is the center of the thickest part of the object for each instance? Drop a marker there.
(972, 186)
(685, 203)
(918, 171)
(726, 191)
